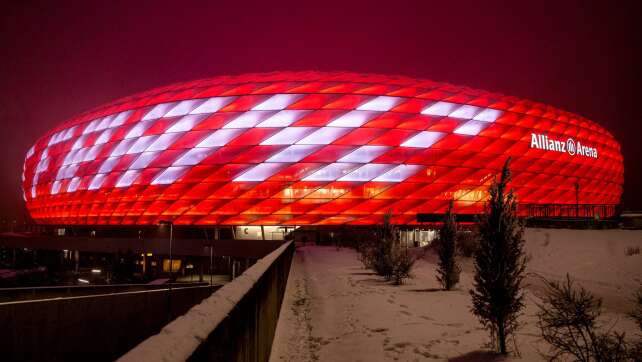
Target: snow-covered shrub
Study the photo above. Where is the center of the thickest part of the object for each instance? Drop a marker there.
(385, 255)
(632, 250)
(467, 243)
(401, 262)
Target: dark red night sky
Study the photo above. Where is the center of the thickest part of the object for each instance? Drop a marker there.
(61, 58)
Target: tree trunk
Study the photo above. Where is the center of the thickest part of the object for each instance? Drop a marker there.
(501, 336)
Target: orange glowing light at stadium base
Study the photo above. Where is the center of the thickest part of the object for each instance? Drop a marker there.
(301, 148)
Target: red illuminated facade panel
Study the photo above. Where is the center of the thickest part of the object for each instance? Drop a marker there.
(311, 148)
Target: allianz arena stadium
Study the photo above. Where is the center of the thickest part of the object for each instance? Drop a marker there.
(309, 148)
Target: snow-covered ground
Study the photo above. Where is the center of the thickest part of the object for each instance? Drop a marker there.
(334, 310)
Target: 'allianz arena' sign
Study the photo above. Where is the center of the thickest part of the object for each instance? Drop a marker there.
(542, 142)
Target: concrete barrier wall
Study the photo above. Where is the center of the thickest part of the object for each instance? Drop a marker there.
(236, 323)
(89, 328)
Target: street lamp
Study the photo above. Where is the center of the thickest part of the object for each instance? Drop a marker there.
(169, 289)
(171, 229)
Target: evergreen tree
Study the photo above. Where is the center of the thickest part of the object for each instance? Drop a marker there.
(448, 270)
(500, 262)
(382, 253)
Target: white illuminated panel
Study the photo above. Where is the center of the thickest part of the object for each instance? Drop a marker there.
(488, 115)
(364, 154)
(184, 107)
(331, 172)
(324, 136)
(367, 172)
(220, 137)
(138, 129)
(30, 152)
(67, 172)
(213, 105)
(78, 156)
(104, 123)
(122, 147)
(71, 171)
(293, 153)
(108, 164)
(96, 182)
(69, 157)
(277, 102)
(260, 172)
(248, 119)
(42, 165)
(465, 112)
(288, 136)
(105, 136)
(381, 104)
(73, 184)
(423, 139)
(471, 128)
(352, 119)
(439, 109)
(283, 118)
(186, 123)
(120, 119)
(169, 175)
(69, 133)
(53, 140)
(61, 173)
(163, 142)
(193, 156)
(80, 143)
(141, 144)
(92, 153)
(90, 127)
(143, 160)
(127, 178)
(399, 173)
(159, 111)
(55, 187)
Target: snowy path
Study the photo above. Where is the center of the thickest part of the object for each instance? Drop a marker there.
(334, 310)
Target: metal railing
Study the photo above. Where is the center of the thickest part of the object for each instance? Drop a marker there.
(90, 328)
(568, 210)
(64, 291)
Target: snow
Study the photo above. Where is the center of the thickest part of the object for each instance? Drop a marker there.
(334, 310)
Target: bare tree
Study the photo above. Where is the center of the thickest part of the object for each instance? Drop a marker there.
(498, 296)
(447, 268)
(567, 319)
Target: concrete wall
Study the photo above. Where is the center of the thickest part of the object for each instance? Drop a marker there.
(237, 323)
(89, 328)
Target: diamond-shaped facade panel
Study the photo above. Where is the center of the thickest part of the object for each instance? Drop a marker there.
(311, 148)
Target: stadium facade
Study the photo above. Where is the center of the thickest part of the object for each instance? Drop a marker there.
(309, 148)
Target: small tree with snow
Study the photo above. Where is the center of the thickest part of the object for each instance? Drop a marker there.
(447, 268)
(385, 254)
(402, 263)
(498, 296)
(382, 262)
